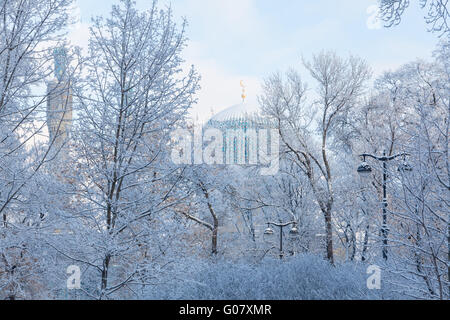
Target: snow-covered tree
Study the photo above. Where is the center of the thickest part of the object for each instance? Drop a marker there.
(27, 29)
(340, 83)
(408, 113)
(133, 95)
(420, 201)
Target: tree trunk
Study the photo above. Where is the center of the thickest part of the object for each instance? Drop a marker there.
(365, 244)
(214, 236)
(352, 257)
(329, 237)
(215, 227)
(105, 274)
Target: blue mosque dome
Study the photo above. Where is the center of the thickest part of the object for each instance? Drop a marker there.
(240, 125)
(241, 111)
(239, 116)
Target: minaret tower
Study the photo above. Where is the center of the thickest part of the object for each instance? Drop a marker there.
(59, 101)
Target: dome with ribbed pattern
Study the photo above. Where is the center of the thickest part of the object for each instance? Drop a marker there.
(236, 123)
(239, 111)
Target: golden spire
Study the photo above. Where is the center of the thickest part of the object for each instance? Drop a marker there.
(243, 91)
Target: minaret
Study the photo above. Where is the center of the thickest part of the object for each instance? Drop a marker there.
(59, 101)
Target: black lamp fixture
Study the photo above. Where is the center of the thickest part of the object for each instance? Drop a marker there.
(293, 232)
(365, 170)
(269, 230)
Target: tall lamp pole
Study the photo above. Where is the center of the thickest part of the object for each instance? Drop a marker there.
(269, 231)
(364, 169)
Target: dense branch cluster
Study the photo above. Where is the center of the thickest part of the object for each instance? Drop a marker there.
(438, 15)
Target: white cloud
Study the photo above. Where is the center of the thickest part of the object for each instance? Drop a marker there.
(222, 21)
(219, 87)
(223, 25)
(373, 21)
(79, 33)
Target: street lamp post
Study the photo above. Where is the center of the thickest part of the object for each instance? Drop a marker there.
(293, 231)
(365, 169)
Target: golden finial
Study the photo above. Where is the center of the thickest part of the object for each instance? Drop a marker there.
(243, 91)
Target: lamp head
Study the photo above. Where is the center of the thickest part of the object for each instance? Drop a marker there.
(268, 231)
(405, 167)
(294, 231)
(364, 169)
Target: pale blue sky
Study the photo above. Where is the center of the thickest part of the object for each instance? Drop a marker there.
(232, 40)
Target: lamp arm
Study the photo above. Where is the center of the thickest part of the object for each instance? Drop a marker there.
(399, 155)
(364, 155)
(384, 158)
(282, 225)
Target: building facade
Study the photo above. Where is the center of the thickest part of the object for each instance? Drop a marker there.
(240, 126)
